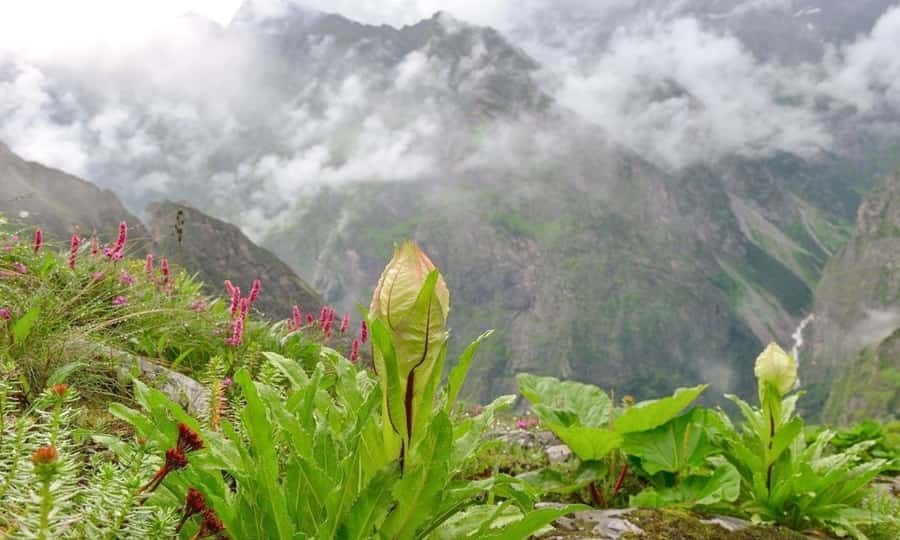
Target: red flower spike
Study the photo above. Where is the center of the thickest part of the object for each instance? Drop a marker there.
(229, 287)
(188, 439)
(95, 247)
(354, 351)
(148, 265)
(38, 239)
(235, 301)
(194, 504)
(345, 323)
(363, 332)
(310, 319)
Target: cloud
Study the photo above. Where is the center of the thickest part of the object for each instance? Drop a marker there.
(679, 93)
(213, 115)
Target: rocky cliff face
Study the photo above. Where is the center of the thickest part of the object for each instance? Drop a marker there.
(217, 251)
(854, 363)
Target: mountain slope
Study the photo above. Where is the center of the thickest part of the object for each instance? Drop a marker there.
(62, 204)
(217, 251)
(854, 364)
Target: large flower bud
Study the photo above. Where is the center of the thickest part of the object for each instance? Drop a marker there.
(418, 327)
(777, 368)
(411, 304)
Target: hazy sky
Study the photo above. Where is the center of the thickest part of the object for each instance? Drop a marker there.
(43, 27)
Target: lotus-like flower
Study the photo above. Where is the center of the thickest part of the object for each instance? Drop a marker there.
(412, 305)
(777, 368)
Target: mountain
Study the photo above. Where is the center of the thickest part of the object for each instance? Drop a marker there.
(217, 251)
(61, 203)
(35, 195)
(640, 254)
(854, 363)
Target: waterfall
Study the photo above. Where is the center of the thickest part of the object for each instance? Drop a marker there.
(798, 338)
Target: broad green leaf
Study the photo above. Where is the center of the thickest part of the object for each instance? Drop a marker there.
(394, 391)
(785, 435)
(676, 446)
(723, 485)
(590, 404)
(23, 326)
(461, 370)
(650, 414)
(588, 443)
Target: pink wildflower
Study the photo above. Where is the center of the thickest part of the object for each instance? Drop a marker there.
(254, 291)
(97, 276)
(126, 279)
(120, 301)
(522, 423)
(38, 239)
(4, 314)
(235, 301)
(226, 382)
(74, 244)
(237, 333)
(323, 315)
(20, 268)
(118, 250)
(310, 319)
(198, 305)
(354, 351)
(148, 265)
(229, 287)
(363, 332)
(95, 247)
(345, 323)
(245, 307)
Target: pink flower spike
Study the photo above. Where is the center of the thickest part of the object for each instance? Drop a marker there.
(354, 351)
(345, 324)
(126, 279)
(20, 268)
(120, 301)
(4, 314)
(235, 301)
(254, 291)
(118, 250)
(95, 247)
(310, 319)
(245, 307)
(363, 332)
(323, 315)
(148, 265)
(296, 317)
(38, 239)
(74, 243)
(229, 287)
(237, 333)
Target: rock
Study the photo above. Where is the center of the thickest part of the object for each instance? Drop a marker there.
(190, 394)
(558, 453)
(728, 523)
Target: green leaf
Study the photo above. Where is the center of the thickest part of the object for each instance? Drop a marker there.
(588, 443)
(723, 485)
(23, 326)
(370, 507)
(461, 370)
(650, 414)
(785, 435)
(62, 373)
(675, 446)
(260, 433)
(588, 403)
(291, 369)
(532, 522)
(394, 393)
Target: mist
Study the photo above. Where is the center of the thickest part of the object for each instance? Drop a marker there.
(233, 120)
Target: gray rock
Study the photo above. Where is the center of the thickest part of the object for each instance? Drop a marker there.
(558, 453)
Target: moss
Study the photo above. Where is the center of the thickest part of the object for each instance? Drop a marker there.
(672, 524)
